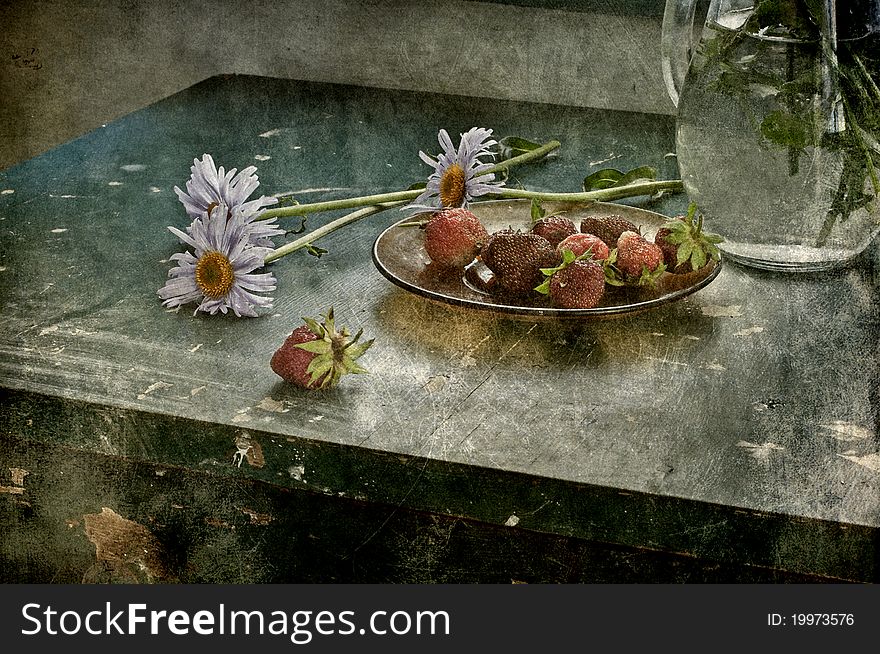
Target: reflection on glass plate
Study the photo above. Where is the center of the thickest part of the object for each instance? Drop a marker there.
(399, 254)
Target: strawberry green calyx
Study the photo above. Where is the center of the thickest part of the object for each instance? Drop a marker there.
(692, 244)
(615, 277)
(538, 212)
(568, 258)
(336, 352)
(612, 276)
(649, 277)
(638, 261)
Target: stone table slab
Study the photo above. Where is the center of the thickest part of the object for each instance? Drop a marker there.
(738, 426)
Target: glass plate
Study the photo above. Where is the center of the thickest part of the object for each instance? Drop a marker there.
(400, 256)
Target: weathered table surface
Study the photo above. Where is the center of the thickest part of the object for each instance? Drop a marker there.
(735, 430)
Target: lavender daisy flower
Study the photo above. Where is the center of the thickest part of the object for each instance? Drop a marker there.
(209, 186)
(459, 175)
(219, 275)
(260, 232)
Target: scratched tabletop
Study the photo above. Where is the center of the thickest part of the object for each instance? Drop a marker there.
(731, 435)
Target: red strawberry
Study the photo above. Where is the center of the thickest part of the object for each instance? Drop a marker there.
(608, 228)
(579, 244)
(580, 285)
(453, 237)
(554, 228)
(670, 250)
(640, 261)
(686, 247)
(516, 258)
(576, 283)
(316, 355)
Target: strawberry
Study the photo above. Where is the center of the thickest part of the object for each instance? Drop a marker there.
(554, 228)
(582, 243)
(638, 260)
(685, 246)
(453, 237)
(316, 355)
(579, 286)
(608, 228)
(669, 250)
(516, 258)
(577, 283)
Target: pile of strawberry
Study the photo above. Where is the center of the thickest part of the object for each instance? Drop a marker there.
(571, 266)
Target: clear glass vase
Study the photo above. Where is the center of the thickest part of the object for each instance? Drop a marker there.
(777, 135)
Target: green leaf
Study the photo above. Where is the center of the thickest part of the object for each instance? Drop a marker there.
(602, 179)
(354, 367)
(684, 252)
(786, 129)
(320, 365)
(612, 278)
(330, 378)
(611, 177)
(544, 288)
(356, 350)
(314, 326)
(287, 201)
(329, 325)
(513, 146)
(713, 251)
(537, 211)
(315, 251)
(640, 174)
(315, 347)
(698, 258)
(649, 278)
(677, 237)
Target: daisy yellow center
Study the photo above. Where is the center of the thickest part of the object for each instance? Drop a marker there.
(452, 186)
(215, 275)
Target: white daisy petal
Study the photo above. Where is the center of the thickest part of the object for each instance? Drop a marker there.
(183, 259)
(445, 141)
(186, 238)
(427, 159)
(257, 283)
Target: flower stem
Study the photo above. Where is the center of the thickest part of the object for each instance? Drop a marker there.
(613, 193)
(872, 85)
(347, 203)
(332, 226)
(628, 190)
(525, 157)
(396, 196)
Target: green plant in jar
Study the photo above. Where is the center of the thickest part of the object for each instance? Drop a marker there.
(778, 128)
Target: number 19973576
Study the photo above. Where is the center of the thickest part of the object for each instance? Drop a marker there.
(811, 620)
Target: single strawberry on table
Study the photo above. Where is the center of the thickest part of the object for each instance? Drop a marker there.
(454, 237)
(317, 355)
